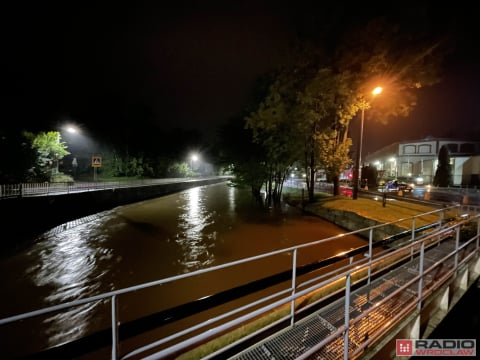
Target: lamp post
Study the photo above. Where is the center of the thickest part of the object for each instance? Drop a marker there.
(193, 159)
(71, 130)
(364, 104)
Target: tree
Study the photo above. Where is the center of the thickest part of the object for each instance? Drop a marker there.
(50, 150)
(236, 151)
(383, 53)
(315, 95)
(179, 169)
(314, 111)
(327, 105)
(287, 121)
(443, 175)
(374, 55)
(273, 129)
(17, 158)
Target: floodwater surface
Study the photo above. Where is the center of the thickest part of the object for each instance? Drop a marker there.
(146, 241)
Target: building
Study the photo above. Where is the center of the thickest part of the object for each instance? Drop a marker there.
(419, 159)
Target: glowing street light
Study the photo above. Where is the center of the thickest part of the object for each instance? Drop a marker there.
(193, 159)
(363, 105)
(70, 129)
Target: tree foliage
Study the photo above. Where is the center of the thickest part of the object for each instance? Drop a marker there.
(314, 97)
(443, 174)
(17, 158)
(329, 105)
(397, 56)
(49, 148)
(236, 151)
(180, 169)
(273, 129)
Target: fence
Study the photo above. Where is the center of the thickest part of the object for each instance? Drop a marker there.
(47, 188)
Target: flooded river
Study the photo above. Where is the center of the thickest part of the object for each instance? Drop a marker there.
(128, 245)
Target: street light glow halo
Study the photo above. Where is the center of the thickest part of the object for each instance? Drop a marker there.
(377, 90)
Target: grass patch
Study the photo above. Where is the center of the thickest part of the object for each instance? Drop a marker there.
(297, 197)
(374, 210)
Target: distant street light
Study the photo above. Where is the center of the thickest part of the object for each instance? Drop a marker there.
(364, 104)
(72, 130)
(193, 159)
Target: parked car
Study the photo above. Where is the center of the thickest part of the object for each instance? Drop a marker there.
(395, 185)
(411, 180)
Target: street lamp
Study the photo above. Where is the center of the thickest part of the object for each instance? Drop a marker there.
(193, 159)
(363, 105)
(70, 129)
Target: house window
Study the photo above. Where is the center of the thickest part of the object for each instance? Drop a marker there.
(425, 149)
(409, 149)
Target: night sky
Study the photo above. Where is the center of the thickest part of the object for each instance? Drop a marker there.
(193, 64)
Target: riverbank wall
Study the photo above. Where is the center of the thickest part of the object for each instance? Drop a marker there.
(26, 216)
(351, 221)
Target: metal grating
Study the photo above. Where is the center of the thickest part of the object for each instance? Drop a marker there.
(296, 340)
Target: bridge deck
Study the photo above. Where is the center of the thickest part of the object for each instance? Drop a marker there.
(295, 341)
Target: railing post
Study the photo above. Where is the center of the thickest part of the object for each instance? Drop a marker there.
(413, 228)
(347, 313)
(420, 273)
(294, 276)
(457, 243)
(478, 234)
(114, 328)
(442, 217)
(370, 246)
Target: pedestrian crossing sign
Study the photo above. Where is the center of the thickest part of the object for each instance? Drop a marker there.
(96, 161)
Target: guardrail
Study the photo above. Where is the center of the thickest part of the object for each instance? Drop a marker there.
(351, 268)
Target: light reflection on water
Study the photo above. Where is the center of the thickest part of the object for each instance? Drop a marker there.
(147, 241)
(193, 238)
(68, 263)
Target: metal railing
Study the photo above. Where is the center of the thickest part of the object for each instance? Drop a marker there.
(48, 188)
(351, 267)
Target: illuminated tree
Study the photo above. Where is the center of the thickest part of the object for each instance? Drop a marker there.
(325, 109)
(49, 148)
(273, 130)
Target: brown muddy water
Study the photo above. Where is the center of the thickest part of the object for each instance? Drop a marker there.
(142, 242)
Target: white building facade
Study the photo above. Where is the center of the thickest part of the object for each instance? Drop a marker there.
(419, 158)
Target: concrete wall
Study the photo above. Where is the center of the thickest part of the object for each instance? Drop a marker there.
(23, 217)
(351, 221)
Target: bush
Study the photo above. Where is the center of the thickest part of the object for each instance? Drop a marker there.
(61, 178)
